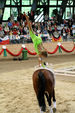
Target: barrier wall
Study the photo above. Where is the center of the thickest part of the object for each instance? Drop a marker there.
(50, 46)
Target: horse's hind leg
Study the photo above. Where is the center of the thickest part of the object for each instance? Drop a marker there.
(54, 101)
(41, 111)
(41, 102)
(49, 101)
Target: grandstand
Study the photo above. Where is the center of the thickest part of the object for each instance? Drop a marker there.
(50, 19)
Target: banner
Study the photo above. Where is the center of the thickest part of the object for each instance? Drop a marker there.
(4, 41)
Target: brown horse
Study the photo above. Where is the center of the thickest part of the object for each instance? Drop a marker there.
(43, 83)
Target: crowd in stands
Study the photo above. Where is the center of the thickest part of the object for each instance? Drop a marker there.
(18, 32)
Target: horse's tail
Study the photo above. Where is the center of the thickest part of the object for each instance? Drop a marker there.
(41, 90)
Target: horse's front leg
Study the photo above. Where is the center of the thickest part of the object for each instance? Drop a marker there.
(54, 101)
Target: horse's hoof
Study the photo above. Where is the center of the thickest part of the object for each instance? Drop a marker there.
(54, 110)
(15, 59)
(20, 59)
(43, 108)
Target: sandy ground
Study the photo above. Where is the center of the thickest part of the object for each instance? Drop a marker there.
(16, 90)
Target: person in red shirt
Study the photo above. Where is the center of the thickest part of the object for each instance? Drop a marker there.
(15, 31)
(15, 24)
(1, 27)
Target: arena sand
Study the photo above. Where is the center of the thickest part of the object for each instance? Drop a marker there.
(16, 88)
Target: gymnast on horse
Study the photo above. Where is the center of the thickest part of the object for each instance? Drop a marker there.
(44, 83)
(37, 41)
(43, 79)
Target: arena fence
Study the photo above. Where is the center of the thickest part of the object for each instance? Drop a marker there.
(59, 48)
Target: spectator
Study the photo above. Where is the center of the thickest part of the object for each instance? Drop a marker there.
(10, 24)
(45, 33)
(73, 31)
(64, 34)
(46, 18)
(50, 30)
(1, 28)
(1, 31)
(21, 29)
(24, 16)
(15, 24)
(25, 30)
(6, 29)
(32, 16)
(69, 36)
(19, 18)
(38, 30)
(42, 26)
(11, 36)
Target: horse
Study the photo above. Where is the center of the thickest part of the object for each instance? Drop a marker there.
(44, 84)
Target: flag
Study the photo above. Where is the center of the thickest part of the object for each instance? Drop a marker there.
(59, 39)
(56, 37)
(4, 41)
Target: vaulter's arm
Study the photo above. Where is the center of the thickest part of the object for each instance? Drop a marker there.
(28, 22)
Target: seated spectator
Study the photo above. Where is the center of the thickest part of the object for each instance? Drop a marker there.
(46, 17)
(6, 29)
(15, 31)
(42, 26)
(50, 30)
(28, 38)
(12, 17)
(73, 31)
(55, 27)
(1, 31)
(69, 23)
(59, 28)
(21, 29)
(73, 28)
(64, 34)
(21, 23)
(69, 37)
(11, 36)
(1, 28)
(17, 39)
(38, 30)
(24, 16)
(22, 38)
(15, 24)
(45, 32)
(19, 18)
(25, 30)
(49, 22)
(10, 24)
(45, 24)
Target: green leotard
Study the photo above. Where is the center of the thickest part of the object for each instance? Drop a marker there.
(36, 41)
